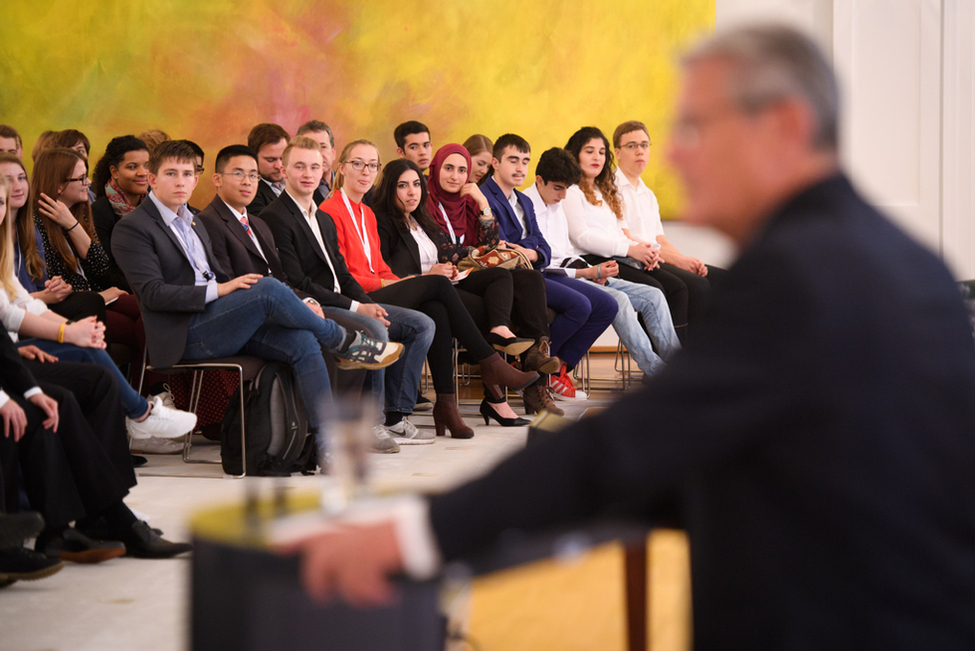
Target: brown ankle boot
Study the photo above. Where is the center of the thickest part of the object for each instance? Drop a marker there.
(537, 358)
(446, 415)
(537, 398)
(496, 373)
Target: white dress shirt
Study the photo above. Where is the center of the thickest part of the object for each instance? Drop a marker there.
(594, 229)
(429, 255)
(316, 230)
(555, 229)
(519, 213)
(641, 212)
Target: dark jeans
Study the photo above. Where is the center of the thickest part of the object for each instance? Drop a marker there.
(584, 312)
(436, 297)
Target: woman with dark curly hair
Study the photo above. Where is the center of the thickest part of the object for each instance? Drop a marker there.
(121, 182)
(594, 212)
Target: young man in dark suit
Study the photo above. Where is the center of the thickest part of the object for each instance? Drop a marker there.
(308, 244)
(815, 437)
(268, 142)
(242, 243)
(193, 310)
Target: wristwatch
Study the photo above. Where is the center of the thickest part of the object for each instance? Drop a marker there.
(486, 212)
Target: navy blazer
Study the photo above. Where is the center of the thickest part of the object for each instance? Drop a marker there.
(151, 257)
(303, 260)
(817, 433)
(509, 225)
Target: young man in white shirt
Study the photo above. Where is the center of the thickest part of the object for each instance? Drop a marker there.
(555, 173)
(631, 144)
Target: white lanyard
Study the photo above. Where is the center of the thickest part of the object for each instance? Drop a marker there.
(363, 236)
(446, 219)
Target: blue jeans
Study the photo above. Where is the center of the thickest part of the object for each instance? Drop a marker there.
(650, 303)
(396, 386)
(583, 312)
(133, 405)
(269, 321)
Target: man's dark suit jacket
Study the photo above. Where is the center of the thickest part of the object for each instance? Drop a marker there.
(818, 432)
(262, 198)
(509, 226)
(303, 260)
(233, 248)
(151, 257)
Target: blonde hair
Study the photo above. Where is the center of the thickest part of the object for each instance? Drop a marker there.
(339, 177)
(7, 242)
(299, 142)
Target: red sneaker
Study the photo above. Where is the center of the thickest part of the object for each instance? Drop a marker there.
(562, 387)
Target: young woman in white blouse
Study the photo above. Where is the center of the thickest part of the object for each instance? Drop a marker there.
(594, 212)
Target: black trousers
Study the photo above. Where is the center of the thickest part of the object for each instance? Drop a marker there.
(435, 296)
(79, 305)
(491, 293)
(67, 474)
(529, 312)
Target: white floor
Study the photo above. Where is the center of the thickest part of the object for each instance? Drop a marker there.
(126, 604)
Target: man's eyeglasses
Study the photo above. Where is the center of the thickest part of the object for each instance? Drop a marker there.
(357, 165)
(240, 176)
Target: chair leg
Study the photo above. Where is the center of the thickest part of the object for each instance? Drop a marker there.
(243, 427)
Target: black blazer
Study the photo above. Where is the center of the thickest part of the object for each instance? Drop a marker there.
(105, 218)
(262, 198)
(15, 379)
(398, 247)
(818, 431)
(235, 251)
(303, 260)
(151, 257)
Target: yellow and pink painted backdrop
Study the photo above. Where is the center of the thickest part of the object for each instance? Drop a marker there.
(208, 70)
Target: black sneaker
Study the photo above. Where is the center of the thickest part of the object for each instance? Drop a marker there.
(366, 352)
(21, 564)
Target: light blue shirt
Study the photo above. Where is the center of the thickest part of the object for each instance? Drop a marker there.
(181, 223)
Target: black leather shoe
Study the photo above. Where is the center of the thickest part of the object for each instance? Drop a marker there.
(99, 529)
(21, 564)
(142, 542)
(72, 545)
(509, 345)
(487, 412)
(15, 528)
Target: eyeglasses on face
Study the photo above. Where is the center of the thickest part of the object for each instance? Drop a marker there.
(357, 165)
(83, 180)
(633, 146)
(240, 176)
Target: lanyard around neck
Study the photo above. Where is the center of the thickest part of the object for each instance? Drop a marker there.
(361, 232)
(446, 219)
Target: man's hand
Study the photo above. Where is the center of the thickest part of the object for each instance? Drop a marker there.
(14, 420)
(33, 352)
(240, 282)
(317, 309)
(375, 311)
(352, 562)
(531, 254)
(49, 406)
(87, 333)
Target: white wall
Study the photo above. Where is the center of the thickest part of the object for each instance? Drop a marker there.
(907, 73)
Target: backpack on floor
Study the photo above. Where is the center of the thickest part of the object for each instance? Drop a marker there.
(276, 428)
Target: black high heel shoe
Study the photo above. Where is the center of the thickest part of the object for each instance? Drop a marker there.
(488, 414)
(509, 345)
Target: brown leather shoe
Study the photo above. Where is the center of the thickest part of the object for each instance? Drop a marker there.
(538, 359)
(537, 398)
(447, 416)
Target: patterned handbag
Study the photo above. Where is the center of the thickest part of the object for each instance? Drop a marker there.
(486, 257)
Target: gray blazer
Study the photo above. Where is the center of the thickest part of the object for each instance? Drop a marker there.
(162, 278)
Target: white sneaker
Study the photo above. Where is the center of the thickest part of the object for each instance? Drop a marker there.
(167, 397)
(156, 445)
(383, 442)
(163, 422)
(406, 433)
